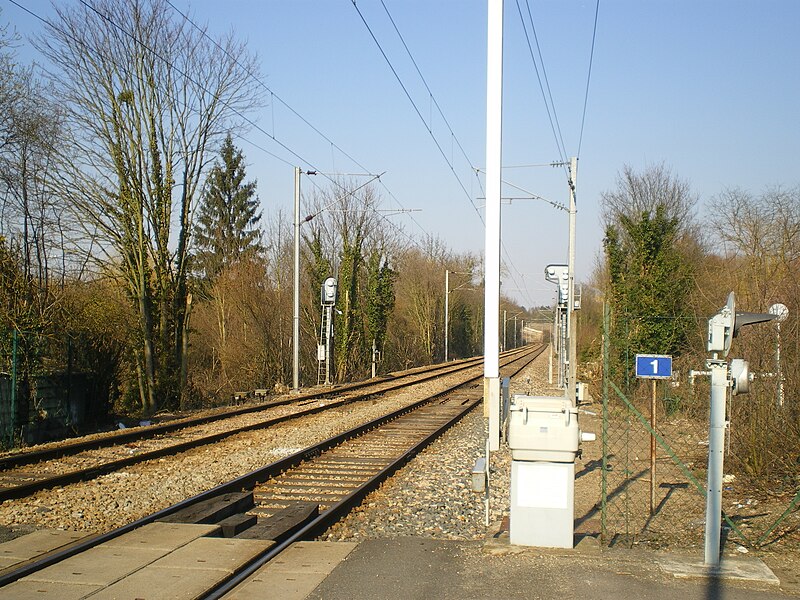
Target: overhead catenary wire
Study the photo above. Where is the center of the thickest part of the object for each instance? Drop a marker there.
(416, 109)
(166, 61)
(303, 160)
(275, 96)
(430, 132)
(189, 77)
(272, 136)
(524, 287)
(547, 97)
(430, 92)
(333, 145)
(315, 129)
(588, 77)
(258, 80)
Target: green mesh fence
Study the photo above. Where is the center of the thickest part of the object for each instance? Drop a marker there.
(44, 394)
(654, 469)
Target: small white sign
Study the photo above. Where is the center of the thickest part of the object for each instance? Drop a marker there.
(542, 485)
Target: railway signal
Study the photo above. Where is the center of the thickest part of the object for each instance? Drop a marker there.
(722, 328)
(327, 297)
(559, 275)
(781, 312)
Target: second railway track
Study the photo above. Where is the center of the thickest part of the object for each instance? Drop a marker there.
(334, 474)
(21, 476)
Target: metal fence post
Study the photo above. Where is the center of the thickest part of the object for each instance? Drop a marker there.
(13, 416)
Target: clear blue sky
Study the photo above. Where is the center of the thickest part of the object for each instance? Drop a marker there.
(708, 88)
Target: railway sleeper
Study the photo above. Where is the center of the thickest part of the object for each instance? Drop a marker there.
(213, 510)
(282, 523)
(236, 524)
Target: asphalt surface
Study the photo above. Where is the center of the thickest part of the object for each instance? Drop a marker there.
(425, 569)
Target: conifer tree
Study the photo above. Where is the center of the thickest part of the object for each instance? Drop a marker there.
(227, 229)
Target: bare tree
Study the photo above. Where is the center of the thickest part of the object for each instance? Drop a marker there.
(759, 259)
(760, 236)
(30, 208)
(642, 193)
(146, 97)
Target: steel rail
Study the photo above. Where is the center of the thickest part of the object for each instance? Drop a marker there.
(26, 489)
(247, 481)
(341, 508)
(18, 459)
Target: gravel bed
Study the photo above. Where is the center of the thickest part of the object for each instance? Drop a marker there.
(124, 496)
(99, 456)
(432, 497)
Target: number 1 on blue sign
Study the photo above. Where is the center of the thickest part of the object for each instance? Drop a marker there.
(653, 366)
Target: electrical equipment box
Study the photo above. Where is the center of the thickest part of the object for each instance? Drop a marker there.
(543, 428)
(543, 436)
(580, 392)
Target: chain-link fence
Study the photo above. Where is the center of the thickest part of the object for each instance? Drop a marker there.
(655, 454)
(43, 394)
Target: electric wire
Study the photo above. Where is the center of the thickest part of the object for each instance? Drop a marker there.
(430, 93)
(258, 80)
(189, 77)
(546, 79)
(274, 138)
(550, 111)
(588, 77)
(417, 110)
(523, 288)
(275, 96)
(201, 86)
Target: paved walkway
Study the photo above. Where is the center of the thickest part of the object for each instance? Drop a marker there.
(425, 569)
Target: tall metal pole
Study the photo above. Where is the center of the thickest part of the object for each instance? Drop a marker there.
(13, 420)
(296, 316)
(716, 447)
(554, 335)
(778, 363)
(572, 357)
(328, 335)
(446, 310)
(494, 161)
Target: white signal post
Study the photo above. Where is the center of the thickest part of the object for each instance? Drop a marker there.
(494, 143)
(446, 311)
(722, 328)
(297, 222)
(781, 312)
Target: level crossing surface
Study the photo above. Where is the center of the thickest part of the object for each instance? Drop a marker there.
(164, 561)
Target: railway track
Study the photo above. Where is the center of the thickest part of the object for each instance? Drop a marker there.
(334, 475)
(61, 449)
(87, 459)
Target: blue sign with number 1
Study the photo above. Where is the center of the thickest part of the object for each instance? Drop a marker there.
(653, 366)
